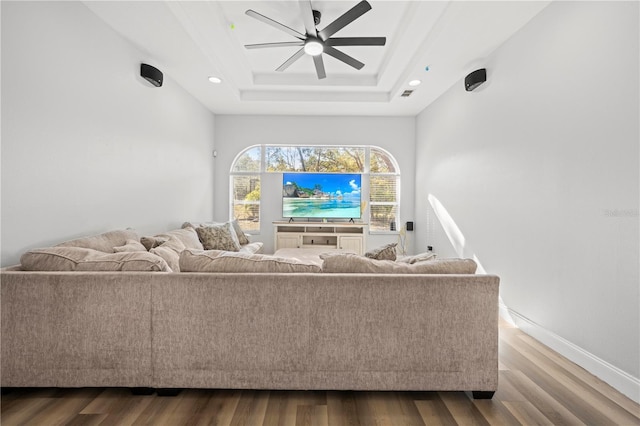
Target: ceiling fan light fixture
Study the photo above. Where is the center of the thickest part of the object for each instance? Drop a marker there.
(313, 47)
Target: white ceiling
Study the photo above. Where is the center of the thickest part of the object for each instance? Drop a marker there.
(192, 40)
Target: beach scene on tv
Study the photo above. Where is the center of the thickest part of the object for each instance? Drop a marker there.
(317, 195)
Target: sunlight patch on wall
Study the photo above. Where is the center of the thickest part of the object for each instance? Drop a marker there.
(450, 228)
(458, 241)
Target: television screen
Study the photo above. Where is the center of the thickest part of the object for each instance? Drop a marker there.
(321, 195)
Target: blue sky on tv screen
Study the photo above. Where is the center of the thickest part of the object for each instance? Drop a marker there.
(339, 183)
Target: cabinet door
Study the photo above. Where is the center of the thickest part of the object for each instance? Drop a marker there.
(352, 244)
(287, 241)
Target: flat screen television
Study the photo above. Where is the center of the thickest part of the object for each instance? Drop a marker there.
(321, 195)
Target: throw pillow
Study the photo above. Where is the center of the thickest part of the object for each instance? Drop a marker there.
(131, 245)
(218, 237)
(242, 237)
(151, 242)
(386, 252)
(187, 235)
(170, 252)
(226, 261)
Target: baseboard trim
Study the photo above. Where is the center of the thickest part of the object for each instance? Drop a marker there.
(610, 374)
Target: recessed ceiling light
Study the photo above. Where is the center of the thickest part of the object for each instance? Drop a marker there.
(215, 80)
(414, 83)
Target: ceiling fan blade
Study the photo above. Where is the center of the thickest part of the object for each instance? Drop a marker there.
(307, 18)
(349, 16)
(291, 60)
(356, 41)
(317, 60)
(274, 24)
(343, 57)
(278, 44)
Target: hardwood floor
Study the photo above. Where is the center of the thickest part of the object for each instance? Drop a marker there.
(537, 387)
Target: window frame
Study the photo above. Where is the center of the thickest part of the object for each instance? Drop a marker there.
(365, 172)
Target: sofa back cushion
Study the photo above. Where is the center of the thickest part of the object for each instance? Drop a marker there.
(352, 263)
(103, 242)
(225, 261)
(84, 259)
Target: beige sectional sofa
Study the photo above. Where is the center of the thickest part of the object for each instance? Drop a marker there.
(241, 329)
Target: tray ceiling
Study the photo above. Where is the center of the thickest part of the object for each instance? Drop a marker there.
(437, 42)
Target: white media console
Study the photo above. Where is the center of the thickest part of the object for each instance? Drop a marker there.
(347, 236)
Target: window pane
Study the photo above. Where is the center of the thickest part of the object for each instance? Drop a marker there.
(315, 159)
(283, 159)
(246, 201)
(383, 188)
(249, 161)
(381, 162)
(382, 216)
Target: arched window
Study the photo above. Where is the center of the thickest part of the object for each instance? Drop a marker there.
(380, 172)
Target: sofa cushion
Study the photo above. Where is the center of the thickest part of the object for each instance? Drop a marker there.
(131, 245)
(219, 237)
(103, 242)
(84, 259)
(170, 252)
(125, 261)
(420, 257)
(386, 252)
(226, 261)
(352, 263)
(55, 258)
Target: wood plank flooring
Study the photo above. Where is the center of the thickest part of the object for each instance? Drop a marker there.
(537, 387)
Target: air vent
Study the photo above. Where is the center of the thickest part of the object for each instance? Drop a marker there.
(406, 93)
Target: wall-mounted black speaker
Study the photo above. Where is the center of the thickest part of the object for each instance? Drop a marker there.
(152, 74)
(409, 226)
(475, 79)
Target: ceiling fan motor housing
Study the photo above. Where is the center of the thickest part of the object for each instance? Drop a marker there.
(316, 17)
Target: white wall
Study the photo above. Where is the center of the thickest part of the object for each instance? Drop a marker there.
(235, 133)
(87, 145)
(539, 170)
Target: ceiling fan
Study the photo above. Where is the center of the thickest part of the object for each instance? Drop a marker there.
(315, 42)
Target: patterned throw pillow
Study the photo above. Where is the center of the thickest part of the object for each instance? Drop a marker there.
(242, 237)
(387, 252)
(219, 237)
